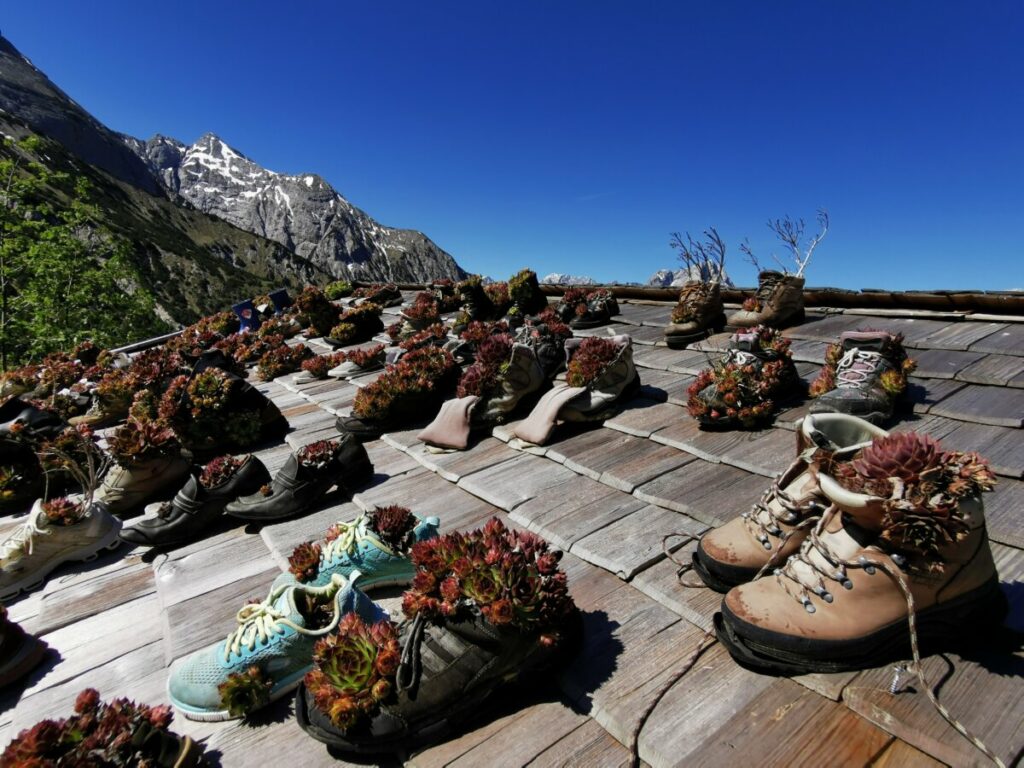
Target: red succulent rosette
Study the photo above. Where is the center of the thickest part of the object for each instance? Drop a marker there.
(304, 561)
(590, 360)
(219, 470)
(354, 669)
(318, 455)
(512, 578)
(418, 372)
(484, 377)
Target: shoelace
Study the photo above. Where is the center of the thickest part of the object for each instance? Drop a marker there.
(767, 288)
(856, 367)
(763, 522)
(22, 539)
(255, 622)
(349, 537)
(814, 542)
(739, 357)
(410, 666)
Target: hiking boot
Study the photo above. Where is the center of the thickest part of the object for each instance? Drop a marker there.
(777, 524)
(356, 546)
(476, 304)
(195, 507)
(281, 300)
(697, 315)
(744, 387)
(36, 547)
(298, 485)
(601, 306)
(778, 302)
(20, 652)
(125, 490)
(408, 410)
(449, 671)
(867, 378)
(276, 636)
(249, 319)
(842, 601)
(349, 368)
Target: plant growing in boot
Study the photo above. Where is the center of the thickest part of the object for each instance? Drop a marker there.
(435, 335)
(423, 311)
(395, 526)
(512, 578)
(63, 511)
(500, 300)
(242, 693)
(339, 289)
(590, 361)
(317, 366)
(386, 295)
(139, 441)
(315, 312)
(445, 294)
(920, 488)
(479, 330)
(205, 411)
(483, 378)
(864, 374)
(357, 325)
(525, 293)
(699, 310)
(278, 325)
(218, 471)
(115, 734)
(425, 371)
(354, 670)
(742, 388)
(284, 359)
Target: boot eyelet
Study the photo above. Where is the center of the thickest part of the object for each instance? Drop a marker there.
(809, 607)
(767, 545)
(847, 584)
(869, 570)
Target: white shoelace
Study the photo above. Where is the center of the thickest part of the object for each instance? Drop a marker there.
(256, 622)
(855, 367)
(23, 537)
(349, 536)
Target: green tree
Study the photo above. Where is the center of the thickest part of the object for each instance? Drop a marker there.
(64, 278)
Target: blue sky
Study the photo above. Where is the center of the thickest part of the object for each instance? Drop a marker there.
(575, 136)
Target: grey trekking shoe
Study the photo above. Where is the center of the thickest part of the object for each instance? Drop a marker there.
(863, 376)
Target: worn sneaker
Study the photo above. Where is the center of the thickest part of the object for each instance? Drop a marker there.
(38, 546)
(863, 375)
(276, 636)
(358, 546)
(777, 524)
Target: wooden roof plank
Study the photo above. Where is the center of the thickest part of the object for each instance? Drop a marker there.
(997, 406)
(997, 370)
(1006, 341)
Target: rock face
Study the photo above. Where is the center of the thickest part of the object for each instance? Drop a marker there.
(557, 278)
(303, 213)
(28, 95)
(668, 278)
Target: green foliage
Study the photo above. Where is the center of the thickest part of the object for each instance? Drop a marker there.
(63, 277)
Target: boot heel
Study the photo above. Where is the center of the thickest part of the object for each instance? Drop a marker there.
(356, 474)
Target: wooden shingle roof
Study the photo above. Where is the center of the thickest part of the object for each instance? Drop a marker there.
(607, 496)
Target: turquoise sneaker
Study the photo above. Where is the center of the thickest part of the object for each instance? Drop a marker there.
(358, 547)
(272, 635)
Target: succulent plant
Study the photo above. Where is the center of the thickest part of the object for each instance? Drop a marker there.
(304, 561)
(590, 361)
(483, 378)
(339, 289)
(318, 455)
(525, 292)
(364, 358)
(432, 336)
(498, 294)
(893, 381)
(219, 470)
(63, 511)
(136, 441)
(394, 526)
(315, 311)
(421, 371)
(244, 692)
(117, 734)
(282, 360)
(903, 456)
(511, 577)
(354, 669)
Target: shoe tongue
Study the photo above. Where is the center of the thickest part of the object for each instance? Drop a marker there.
(286, 604)
(866, 340)
(746, 342)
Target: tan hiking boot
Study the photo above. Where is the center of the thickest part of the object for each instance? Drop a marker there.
(104, 412)
(842, 602)
(617, 383)
(779, 302)
(38, 546)
(777, 524)
(125, 490)
(697, 315)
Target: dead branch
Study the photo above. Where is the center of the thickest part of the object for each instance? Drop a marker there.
(704, 258)
(791, 233)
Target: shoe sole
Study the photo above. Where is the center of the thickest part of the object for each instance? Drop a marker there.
(680, 341)
(84, 555)
(221, 715)
(717, 582)
(797, 319)
(939, 628)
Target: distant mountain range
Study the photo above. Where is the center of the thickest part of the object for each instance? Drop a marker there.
(209, 226)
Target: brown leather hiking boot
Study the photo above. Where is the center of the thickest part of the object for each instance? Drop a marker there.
(777, 524)
(698, 314)
(842, 602)
(779, 302)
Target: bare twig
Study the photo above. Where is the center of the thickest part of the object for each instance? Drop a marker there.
(791, 233)
(703, 258)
